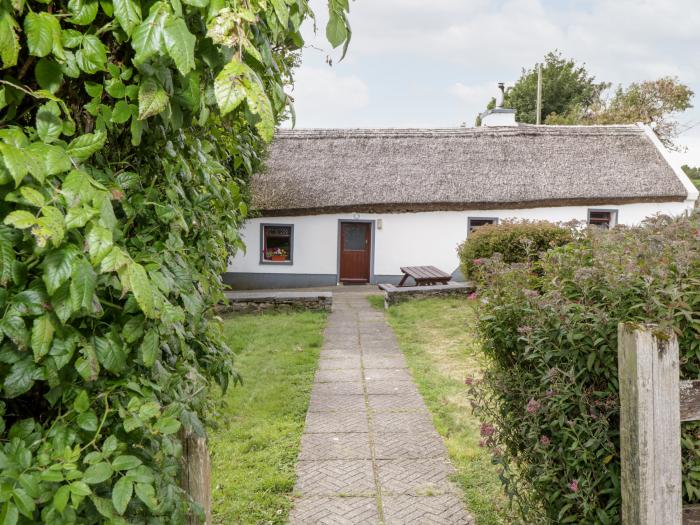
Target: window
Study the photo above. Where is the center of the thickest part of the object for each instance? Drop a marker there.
(602, 218)
(475, 222)
(276, 243)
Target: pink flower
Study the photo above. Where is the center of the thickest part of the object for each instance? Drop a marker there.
(533, 406)
(487, 430)
(544, 440)
(574, 485)
(469, 380)
(482, 443)
(478, 262)
(472, 296)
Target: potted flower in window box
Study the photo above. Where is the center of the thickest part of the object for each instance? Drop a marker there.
(277, 255)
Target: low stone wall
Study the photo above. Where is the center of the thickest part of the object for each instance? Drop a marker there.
(395, 294)
(254, 302)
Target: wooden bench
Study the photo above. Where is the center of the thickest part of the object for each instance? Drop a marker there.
(424, 275)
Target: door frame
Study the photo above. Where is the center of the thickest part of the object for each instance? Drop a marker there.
(372, 230)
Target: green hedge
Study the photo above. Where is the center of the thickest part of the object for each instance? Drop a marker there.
(516, 241)
(549, 397)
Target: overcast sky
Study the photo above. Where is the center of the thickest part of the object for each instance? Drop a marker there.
(435, 63)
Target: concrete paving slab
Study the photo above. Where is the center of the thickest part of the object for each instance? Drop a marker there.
(335, 446)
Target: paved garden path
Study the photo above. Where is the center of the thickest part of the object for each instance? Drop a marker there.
(370, 453)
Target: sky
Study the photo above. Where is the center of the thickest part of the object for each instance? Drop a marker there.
(436, 63)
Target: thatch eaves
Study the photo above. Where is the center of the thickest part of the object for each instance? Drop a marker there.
(393, 170)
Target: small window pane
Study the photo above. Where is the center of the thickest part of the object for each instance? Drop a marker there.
(475, 223)
(602, 219)
(277, 243)
(354, 236)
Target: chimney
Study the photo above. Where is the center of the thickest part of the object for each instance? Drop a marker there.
(499, 116)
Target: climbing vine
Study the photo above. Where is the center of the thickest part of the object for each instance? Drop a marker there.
(127, 131)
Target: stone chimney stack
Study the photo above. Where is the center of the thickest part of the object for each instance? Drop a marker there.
(499, 116)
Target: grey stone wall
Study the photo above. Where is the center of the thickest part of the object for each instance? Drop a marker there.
(238, 302)
(395, 295)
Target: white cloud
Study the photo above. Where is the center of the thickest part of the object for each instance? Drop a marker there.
(322, 95)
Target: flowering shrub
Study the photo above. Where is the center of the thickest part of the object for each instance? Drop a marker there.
(549, 397)
(516, 241)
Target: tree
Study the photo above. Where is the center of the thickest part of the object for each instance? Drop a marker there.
(693, 173)
(128, 129)
(571, 96)
(567, 84)
(653, 102)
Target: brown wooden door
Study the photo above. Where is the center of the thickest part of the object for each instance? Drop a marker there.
(355, 248)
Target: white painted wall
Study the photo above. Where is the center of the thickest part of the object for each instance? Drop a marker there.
(409, 239)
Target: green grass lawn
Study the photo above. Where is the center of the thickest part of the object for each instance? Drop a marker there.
(255, 447)
(437, 337)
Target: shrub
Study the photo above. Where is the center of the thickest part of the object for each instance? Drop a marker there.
(516, 241)
(549, 396)
(127, 132)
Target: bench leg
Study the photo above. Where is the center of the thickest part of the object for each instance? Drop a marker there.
(405, 276)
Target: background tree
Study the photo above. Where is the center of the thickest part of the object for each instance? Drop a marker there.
(567, 84)
(570, 95)
(128, 129)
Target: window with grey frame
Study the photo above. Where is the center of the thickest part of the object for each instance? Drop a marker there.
(605, 219)
(475, 222)
(276, 243)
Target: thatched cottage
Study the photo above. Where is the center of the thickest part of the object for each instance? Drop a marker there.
(352, 206)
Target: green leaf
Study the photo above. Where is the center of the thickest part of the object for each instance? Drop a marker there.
(15, 161)
(81, 403)
(50, 226)
(99, 242)
(24, 502)
(20, 219)
(48, 75)
(180, 44)
(94, 89)
(121, 112)
(121, 494)
(98, 473)
(9, 41)
(60, 498)
(125, 462)
(21, 377)
(58, 266)
(32, 196)
(79, 217)
(87, 421)
(282, 12)
(167, 425)
(92, 55)
(82, 147)
(7, 258)
(152, 99)
(259, 104)
(149, 347)
(13, 327)
(228, 86)
(128, 14)
(147, 494)
(88, 365)
(80, 488)
(49, 125)
(147, 39)
(39, 28)
(115, 88)
(42, 336)
(114, 260)
(71, 38)
(110, 354)
(140, 285)
(83, 284)
(83, 11)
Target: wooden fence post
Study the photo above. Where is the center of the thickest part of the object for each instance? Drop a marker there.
(650, 441)
(196, 474)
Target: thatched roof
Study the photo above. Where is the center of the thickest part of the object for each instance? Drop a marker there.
(389, 170)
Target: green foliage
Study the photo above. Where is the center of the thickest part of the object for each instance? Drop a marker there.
(549, 399)
(566, 84)
(515, 241)
(570, 96)
(122, 186)
(693, 173)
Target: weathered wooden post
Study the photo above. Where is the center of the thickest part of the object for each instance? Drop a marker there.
(650, 441)
(196, 473)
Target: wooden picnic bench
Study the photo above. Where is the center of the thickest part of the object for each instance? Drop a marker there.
(424, 275)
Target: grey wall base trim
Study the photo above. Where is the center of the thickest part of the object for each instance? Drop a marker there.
(262, 281)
